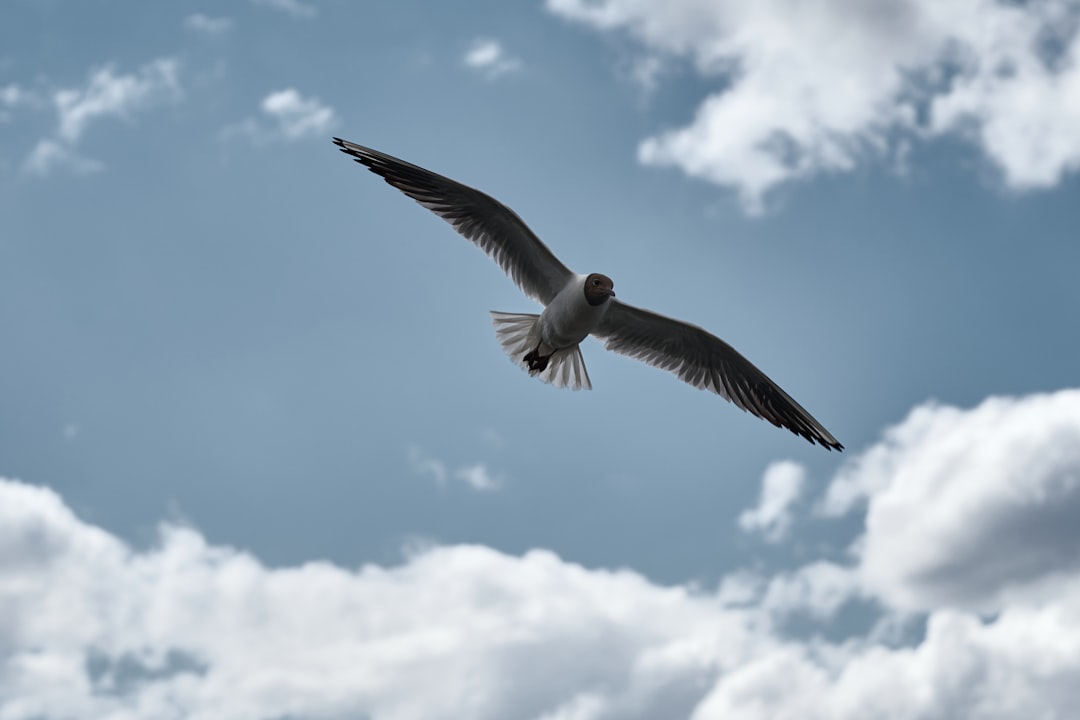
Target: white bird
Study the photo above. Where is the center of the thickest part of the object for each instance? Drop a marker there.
(576, 306)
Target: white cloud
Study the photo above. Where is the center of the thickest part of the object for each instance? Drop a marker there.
(1018, 666)
(291, 7)
(488, 57)
(476, 476)
(812, 88)
(110, 94)
(106, 94)
(286, 115)
(192, 630)
(297, 116)
(94, 628)
(818, 589)
(208, 25)
(781, 486)
(967, 512)
(969, 508)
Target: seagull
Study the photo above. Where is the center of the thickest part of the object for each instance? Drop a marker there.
(547, 345)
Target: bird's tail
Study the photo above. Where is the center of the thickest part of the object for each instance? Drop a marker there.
(519, 335)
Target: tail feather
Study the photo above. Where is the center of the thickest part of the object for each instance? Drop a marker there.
(518, 334)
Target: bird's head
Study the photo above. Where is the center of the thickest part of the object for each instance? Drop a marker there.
(598, 288)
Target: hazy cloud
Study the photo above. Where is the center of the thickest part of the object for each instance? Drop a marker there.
(291, 7)
(49, 155)
(488, 57)
(11, 95)
(423, 465)
(476, 476)
(14, 96)
(208, 25)
(814, 88)
(107, 93)
(781, 487)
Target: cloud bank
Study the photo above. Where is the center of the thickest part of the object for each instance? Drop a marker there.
(187, 629)
(809, 88)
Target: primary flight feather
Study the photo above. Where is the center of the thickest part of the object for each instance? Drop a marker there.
(576, 306)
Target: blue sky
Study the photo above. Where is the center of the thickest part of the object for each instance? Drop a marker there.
(239, 370)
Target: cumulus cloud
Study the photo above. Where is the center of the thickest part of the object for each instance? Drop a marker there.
(208, 25)
(818, 590)
(187, 629)
(106, 94)
(488, 57)
(812, 88)
(781, 486)
(968, 507)
(94, 629)
(286, 115)
(1010, 668)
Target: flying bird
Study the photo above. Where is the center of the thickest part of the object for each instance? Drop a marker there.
(576, 306)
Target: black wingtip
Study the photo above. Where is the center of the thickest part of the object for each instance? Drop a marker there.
(349, 151)
(342, 147)
(827, 441)
(830, 446)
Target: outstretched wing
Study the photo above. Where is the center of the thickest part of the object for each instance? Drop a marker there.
(495, 228)
(705, 361)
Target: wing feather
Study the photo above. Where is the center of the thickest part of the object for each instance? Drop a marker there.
(705, 361)
(492, 226)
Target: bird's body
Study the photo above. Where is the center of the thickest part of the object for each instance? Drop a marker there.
(576, 306)
(570, 317)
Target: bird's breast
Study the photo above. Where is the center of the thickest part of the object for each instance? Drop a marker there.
(569, 318)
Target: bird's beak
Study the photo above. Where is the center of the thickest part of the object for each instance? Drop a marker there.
(611, 293)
